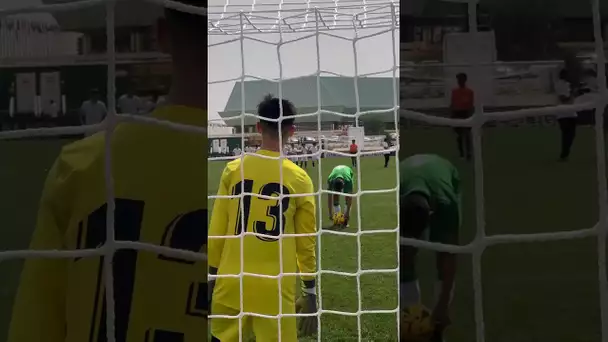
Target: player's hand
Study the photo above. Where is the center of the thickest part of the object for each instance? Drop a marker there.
(210, 293)
(307, 304)
(346, 218)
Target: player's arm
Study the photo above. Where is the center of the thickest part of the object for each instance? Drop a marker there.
(330, 205)
(446, 262)
(218, 227)
(349, 203)
(348, 188)
(305, 223)
(39, 307)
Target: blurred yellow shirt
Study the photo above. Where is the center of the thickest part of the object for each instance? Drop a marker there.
(160, 178)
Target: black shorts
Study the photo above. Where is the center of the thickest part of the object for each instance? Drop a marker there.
(461, 114)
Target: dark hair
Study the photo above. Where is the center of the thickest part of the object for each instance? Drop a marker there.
(338, 184)
(270, 108)
(563, 75)
(462, 77)
(414, 215)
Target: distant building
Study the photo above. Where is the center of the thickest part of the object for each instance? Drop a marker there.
(337, 95)
(34, 37)
(217, 129)
(44, 56)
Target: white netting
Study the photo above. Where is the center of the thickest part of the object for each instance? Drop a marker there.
(476, 122)
(315, 20)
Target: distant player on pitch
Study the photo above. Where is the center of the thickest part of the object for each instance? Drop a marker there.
(341, 179)
(270, 219)
(155, 169)
(429, 199)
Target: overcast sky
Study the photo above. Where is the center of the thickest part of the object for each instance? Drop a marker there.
(299, 58)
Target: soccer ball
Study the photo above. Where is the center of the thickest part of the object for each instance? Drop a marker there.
(339, 219)
(416, 324)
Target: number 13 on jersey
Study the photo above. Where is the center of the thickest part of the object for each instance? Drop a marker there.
(269, 221)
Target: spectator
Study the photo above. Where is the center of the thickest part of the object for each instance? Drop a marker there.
(129, 103)
(353, 150)
(93, 110)
(386, 144)
(567, 121)
(462, 107)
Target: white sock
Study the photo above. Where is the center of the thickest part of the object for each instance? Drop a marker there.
(410, 293)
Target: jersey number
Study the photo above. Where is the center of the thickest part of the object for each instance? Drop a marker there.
(187, 231)
(273, 210)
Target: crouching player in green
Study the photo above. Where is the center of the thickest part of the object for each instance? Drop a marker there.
(340, 179)
(429, 199)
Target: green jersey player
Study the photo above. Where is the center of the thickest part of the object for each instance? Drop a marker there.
(429, 199)
(341, 179)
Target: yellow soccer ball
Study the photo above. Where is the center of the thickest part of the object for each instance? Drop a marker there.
(416, 324)
(339, 219)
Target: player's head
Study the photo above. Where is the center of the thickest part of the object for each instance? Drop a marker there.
(414, 214)
(337, 185)
(353, 141)
(94, 95)
(462, 79)
(270, 109)
(181, 35)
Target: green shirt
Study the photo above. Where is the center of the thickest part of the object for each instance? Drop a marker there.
(345, 173)
(437, 179)
(432, 176)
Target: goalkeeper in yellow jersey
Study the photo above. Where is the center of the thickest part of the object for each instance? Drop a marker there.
(263, 254)
(160, 181)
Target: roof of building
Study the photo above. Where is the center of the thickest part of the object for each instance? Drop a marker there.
(441, 8)
(337, 94)
(132, 13)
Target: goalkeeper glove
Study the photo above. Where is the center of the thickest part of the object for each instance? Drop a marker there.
(210, 288)
(307, 304)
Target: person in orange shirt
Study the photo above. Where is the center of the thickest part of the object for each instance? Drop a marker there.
(462, 107)
(353, 150)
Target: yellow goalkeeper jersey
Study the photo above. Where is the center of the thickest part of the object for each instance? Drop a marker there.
(160, 185)
(262, 254)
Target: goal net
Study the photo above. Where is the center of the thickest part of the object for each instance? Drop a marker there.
(337, 61)
(482, 240)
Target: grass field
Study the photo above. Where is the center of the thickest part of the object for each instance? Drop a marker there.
(532, 292)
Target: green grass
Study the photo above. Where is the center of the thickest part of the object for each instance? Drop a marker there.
(340, 253)
(545, 291)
